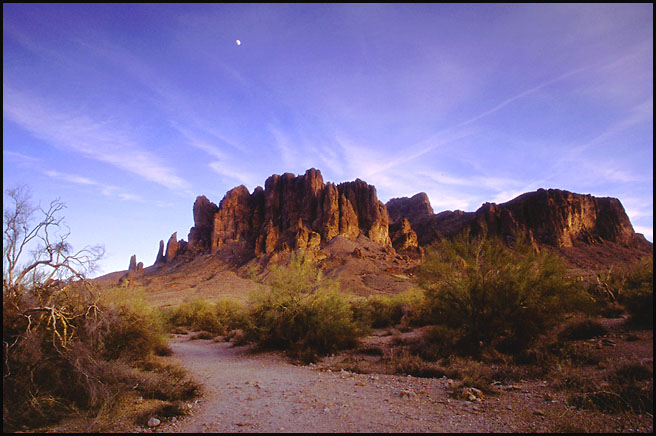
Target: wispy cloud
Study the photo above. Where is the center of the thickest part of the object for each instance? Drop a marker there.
(93, 138)
(20, 158)
(232, 171)
(106, 190)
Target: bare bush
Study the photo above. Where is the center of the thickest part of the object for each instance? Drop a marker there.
(66, 346)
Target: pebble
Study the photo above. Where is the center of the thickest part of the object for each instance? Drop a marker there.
(153, 422)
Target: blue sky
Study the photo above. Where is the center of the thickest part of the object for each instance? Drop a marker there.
(128, 112)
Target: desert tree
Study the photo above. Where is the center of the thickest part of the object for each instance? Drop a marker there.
(39, 268)
(42, 236)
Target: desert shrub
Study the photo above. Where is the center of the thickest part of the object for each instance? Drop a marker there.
(303, 313)
(494, 295)
(199, 314)
(51, 371)
(404, 362)
(232, 314)
(628, 388)
(379, 311)
(631, 285)
(438, 341)
(130, 326)
(579, 330)
(638, 292)
(67, 346)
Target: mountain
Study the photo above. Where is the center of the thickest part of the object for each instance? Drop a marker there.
(290, 212)
(580, 227)
(370, 246)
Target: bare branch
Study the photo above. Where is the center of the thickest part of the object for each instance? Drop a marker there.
(53, 258)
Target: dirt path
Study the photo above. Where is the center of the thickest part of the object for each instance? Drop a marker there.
(245, 392)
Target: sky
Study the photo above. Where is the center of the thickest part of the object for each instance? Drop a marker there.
(127, 112)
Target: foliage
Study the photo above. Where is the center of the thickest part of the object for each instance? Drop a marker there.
(198, 314)
(495, 295)
(379, 311)
(629, 387)
(637, 294)
(66, 346)
(303, 312)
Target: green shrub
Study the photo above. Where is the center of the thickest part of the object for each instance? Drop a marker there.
(494, 295)
(303, 313)
(378, 311)
(232, 314)
(199, 314)
(637, 294)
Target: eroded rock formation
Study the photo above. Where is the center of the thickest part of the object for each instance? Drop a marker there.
(402, 235)
(290, 212)
(302, 212)
(550, 217)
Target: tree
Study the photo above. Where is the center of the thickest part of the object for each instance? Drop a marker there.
(47, 301)
(53, 262)
(34, 291)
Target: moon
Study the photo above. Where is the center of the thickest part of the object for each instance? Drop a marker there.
(238, 42)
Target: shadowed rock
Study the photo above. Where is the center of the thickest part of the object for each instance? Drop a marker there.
(550, 217)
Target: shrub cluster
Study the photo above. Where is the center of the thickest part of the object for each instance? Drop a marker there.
(629, 387)
(378, 311)
(492, 295)
(218, 318)
(637, 293)
(629, 288)
(78, 352)
(303, 313)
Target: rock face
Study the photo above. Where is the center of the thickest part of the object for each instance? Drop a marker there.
(200, 233)
(427, 225)
(551, 217)
(173, 249)
(290, 212)
(402, 235)
(134, 270)
(302, 212)
(558, 218)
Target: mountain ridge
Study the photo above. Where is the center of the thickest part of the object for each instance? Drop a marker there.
(295, 212)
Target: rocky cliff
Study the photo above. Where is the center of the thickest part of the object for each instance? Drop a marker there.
(290, 212)
(550, 217)
(298, 212)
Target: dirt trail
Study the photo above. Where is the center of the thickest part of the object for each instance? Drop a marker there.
(246, 392)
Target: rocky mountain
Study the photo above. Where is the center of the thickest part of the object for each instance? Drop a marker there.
(371, 247)
(289, 213)
(303, 212)
(552, 217)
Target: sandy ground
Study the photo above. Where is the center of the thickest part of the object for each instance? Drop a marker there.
(264, 392)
